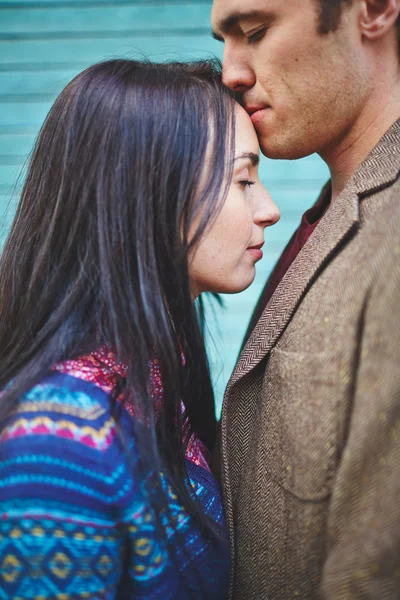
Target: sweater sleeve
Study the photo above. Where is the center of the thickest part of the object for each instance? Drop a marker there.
(76, 521)
(59, 537)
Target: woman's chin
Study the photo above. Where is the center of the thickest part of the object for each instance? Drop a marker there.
(236, 286)
(227, 285)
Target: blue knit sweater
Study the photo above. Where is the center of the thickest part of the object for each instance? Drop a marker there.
(75, 523)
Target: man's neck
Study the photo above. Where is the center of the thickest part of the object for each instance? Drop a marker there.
(344, 158)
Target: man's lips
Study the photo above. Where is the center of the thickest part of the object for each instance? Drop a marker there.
(256, 112)
(252, 108)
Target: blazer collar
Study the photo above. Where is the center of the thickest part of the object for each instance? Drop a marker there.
(382, 165)
(339, 223)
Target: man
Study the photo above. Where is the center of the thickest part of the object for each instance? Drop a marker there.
(311, 418)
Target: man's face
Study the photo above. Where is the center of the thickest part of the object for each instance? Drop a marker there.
(304, 90)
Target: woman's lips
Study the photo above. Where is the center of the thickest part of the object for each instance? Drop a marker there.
(256, 251)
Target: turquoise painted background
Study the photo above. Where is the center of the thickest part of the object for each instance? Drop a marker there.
(43, 44)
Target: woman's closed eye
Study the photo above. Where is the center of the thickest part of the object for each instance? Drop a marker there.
(246, 183)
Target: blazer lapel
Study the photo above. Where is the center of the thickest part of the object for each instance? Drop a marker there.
(338, 223)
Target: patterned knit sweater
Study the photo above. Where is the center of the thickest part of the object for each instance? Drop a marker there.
(75, 522)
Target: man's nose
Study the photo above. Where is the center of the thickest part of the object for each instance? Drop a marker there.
(236, 72)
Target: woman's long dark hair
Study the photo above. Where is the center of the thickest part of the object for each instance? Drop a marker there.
(115, 200)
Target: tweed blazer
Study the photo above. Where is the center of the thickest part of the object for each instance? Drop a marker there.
(310, 432)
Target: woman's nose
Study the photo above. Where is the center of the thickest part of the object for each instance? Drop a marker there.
(266, 213)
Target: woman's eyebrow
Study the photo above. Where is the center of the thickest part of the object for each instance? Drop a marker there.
(254, 158)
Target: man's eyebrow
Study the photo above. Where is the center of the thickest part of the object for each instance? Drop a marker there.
(226, 25)
(254, 158)
(217, 37)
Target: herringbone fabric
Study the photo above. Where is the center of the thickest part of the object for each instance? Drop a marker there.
(311, 416)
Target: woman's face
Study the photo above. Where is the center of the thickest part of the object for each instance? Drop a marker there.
(225, 258)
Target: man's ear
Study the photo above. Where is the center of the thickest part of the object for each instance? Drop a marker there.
(377, 17)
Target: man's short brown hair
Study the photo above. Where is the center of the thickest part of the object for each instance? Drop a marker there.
(331, 11)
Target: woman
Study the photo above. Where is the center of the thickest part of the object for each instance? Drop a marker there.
(142, 192)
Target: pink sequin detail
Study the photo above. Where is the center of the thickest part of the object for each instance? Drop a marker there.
(102, 369)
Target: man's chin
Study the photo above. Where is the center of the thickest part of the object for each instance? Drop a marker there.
(279, 149)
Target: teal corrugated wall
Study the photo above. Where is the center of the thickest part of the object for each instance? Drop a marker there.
(43, 44)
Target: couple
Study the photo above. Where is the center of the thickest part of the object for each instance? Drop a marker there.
(143, 193)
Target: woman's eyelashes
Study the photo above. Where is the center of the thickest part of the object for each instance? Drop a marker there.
(246, 183)
(243, 178)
